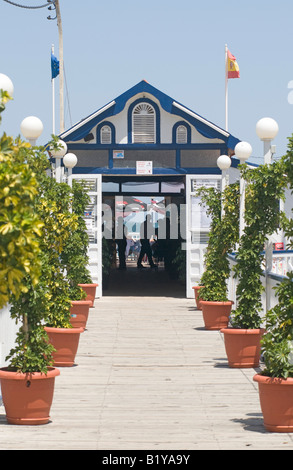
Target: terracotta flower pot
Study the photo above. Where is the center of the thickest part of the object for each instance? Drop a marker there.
(216, 314)
(90, 290)
(65, 341)
(243, 346)
(79, 313)
(27, 398)
(276, 401)
(197, 297)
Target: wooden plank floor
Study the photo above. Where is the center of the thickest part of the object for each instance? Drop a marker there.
(149, 376)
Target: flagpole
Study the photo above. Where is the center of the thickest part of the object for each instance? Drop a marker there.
(61, 74)
(226, 87)
(53, 98)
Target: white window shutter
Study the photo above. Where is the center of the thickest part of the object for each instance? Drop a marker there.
(181, 135)
(143, 124)
(106, 135)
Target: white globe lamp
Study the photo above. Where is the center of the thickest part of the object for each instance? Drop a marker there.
(31, 128)
(224, 162)
(6, 84)
(70, 160)
(267, 129)
(243, 150)
(60, 151)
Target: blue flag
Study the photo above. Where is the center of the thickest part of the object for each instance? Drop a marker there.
(54, 66)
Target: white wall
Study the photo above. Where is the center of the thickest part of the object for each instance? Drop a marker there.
(8, 330)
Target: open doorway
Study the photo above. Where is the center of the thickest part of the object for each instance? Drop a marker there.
(154, 204)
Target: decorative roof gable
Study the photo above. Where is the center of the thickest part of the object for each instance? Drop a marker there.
(203, 126)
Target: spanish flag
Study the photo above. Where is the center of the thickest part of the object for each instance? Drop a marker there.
(233, 68)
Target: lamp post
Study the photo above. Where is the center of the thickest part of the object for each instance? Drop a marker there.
(70, 160)
(243, 150)
(6, 84)
(224, 163)
(31, 128)
(58, 154)
(267, 129)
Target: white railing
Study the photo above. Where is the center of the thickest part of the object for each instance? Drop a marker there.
(8, 330)
(282, 262)
(281, 265)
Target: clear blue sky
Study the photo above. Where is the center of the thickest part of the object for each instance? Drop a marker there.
(177, 46)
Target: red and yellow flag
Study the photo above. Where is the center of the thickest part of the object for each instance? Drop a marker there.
(233, 68)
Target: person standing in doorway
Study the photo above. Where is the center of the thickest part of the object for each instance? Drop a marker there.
(120, 238)
(145, 244)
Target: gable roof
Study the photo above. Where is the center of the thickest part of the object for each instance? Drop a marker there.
(202, 125)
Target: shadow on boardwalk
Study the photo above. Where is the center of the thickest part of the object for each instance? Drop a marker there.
(144, 283)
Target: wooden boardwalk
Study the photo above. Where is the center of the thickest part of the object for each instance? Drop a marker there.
(148, 376)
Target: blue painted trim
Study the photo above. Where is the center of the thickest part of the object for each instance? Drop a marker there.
(174, 131)
(156, 171)
(178, 159)
(275, 252)
(110, 161)
(85, 129)
(236, 162)
(157, 118)
(205, 129)
(113, 133)
(83, 146)
(277, 277)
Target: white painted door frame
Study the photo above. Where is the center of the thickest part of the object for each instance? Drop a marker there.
(196, 231)
(93, 219)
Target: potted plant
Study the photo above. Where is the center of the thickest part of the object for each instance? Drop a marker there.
(216, 307)
(197, 296)
(265, 187)
(275, 381)
(77, 251)
(108, 247)
(179, 262)
(27, 383)
(59, 222)
(74, 257)
(52, 205)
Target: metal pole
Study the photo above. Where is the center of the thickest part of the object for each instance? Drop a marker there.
(58, 170)
(269, 244)
(226, 87)
(53, 99)
(224, 184)
(267, 152)
(242, 207)
(61, 66)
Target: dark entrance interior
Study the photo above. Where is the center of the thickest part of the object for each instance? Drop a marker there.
(132, 199)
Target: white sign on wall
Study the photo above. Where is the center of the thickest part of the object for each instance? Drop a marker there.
(144, 168)
(118, 154)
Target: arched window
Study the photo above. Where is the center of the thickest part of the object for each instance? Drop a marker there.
(144, 124)
(106, 135)
(181, 135)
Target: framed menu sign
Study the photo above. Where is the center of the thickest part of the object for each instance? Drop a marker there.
(144, 168)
